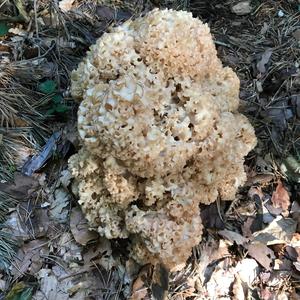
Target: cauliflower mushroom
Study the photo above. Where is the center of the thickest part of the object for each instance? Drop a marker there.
(160, 134)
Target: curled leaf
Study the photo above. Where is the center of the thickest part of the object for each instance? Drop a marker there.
(281, 197)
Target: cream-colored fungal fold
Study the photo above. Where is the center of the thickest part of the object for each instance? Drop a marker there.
(160, 134)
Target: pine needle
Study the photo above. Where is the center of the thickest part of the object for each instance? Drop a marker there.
(8, 244)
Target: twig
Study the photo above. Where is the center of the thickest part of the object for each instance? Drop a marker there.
(22, 11)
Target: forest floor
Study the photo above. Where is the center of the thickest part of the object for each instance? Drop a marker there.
(250, 247)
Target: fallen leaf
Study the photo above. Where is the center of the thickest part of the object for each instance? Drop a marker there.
(259, 178)
(211, 252)
(65, 5)
(281, 197)
(246, 227)
(279, 231)
(80, 227)
(261, 253)
(105, 13)
(74, 289)
(59, 207)
(247, 270)
(220, 283)
(262, 63)
(19, 291)
(237, 289)
(140, 287)
(210, 215)
(272, 211)
(291, 166)
(14, 226)
(297, 265)
(292, 252)
(160, 282)
(242, 8)
(256, 193)
(233, 237)
(51, 288)
(266, 294)
(65, 178)
(282, 265)
(21, 187)
(293, 248)
(68, 249)
(100, 253)
(3, 284)
(29, 258)
(278, 278)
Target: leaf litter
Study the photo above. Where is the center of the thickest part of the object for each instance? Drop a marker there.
(250, 248)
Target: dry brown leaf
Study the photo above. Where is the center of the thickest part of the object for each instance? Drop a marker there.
(262, 254)
(51, 288)
(266, 294)
(21, 187)
(293, 249)
(80, 228)
(68, 249)
(237, 289)
(99, 253)
(255, 192)
(281, 197)
(259, 178)
(66, 5)
(279, 231)
(140, 287)
(246, 227)
(29, 258)
(233, 237)
(242, 8)
(211, 251)
(265, 57)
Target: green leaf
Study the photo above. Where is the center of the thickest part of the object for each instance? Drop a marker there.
(3, 28)
(19, 292)
(61, 108)
(57, 98)
(26, 294)
(50, 112)
(47, 87)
